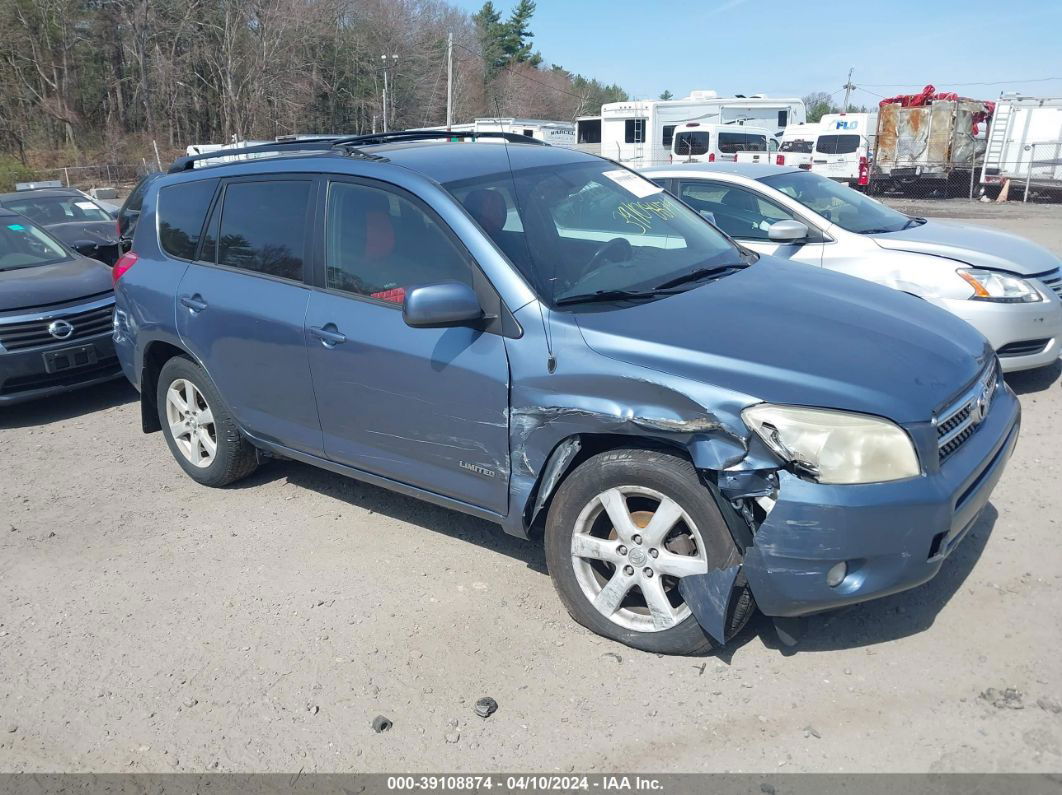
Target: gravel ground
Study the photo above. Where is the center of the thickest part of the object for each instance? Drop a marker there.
(149, 624)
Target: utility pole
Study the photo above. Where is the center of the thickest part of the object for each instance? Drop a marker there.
(847, 90)
(449, 80)
(386, 68)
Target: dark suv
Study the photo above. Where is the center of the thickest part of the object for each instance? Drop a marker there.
(548, 340)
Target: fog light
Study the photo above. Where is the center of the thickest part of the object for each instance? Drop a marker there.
(835, 576)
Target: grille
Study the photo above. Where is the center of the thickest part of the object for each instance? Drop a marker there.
(34, 333)
(1053, 282)
(961, 419)
(1024, 348)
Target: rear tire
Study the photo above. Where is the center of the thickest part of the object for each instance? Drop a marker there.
(619, 578)
(199, 429)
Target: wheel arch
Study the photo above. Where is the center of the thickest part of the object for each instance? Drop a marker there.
(156, 354)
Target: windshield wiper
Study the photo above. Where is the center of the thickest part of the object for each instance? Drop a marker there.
(611, 295)
(914, 222)
(700, 273)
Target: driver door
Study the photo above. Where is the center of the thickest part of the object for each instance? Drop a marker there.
(426, 407)
(746, 216)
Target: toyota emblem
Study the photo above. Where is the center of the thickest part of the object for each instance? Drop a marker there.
(60, 329)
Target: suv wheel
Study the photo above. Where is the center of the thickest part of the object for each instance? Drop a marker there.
(623, 529)
(200, 431)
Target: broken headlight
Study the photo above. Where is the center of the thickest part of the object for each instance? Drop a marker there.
(835, 446)
(999, 287)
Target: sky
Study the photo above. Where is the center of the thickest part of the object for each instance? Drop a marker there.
(795, 47)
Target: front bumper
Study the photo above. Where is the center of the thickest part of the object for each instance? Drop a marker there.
(893, 536)
(1032, 333)
(23, 375)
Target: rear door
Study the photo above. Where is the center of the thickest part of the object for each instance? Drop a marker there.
(746, 215)
(425, 407)
(837, 156)
(241, 306)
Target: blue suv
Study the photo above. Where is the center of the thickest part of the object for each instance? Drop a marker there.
(548, 340)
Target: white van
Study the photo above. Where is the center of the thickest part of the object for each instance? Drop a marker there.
(843, 147)
(697, 142)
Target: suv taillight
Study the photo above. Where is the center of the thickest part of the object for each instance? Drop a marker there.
(779, 160)
(711, 157)
(864, 171)
(124, 263)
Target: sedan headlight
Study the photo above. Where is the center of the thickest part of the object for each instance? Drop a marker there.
(835, 446)
(999, 287)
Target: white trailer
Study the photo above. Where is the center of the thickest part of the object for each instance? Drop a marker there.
(555, 133)
(640, 132)
(1025, 143)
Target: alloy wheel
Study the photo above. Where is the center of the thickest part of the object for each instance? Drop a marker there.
(630, 548)
(191, 423)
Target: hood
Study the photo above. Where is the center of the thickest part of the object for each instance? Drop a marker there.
(974, 245)
(789, 333)
(102, 233)
(45, 285)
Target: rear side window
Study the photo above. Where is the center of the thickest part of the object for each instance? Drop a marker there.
(263, 227)
(733, 142)
(691, 143)
(182, 210)
(837, 144)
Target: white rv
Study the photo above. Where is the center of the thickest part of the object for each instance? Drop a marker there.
(556, 133)
(640, 132)
(1025, 143)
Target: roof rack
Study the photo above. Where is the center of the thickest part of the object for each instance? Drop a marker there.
(346, 143)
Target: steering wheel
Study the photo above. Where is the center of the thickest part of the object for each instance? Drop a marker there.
(617, 249)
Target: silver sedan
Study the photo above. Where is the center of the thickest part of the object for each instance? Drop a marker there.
(1005, 286)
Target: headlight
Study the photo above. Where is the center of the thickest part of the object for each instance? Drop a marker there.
(999, 287)
(835, 446)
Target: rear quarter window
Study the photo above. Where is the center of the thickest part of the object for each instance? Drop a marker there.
(182, 210)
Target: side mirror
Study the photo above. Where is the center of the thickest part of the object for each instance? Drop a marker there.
(86, 248)
(441, 305)
(787, 232)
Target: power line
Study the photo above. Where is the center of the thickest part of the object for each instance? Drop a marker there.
(954, 83)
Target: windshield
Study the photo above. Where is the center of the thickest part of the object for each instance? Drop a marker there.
(592, 228)
(58, 209)
(23, 245)
(847, 208)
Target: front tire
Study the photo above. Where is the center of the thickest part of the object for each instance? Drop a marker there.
(623, 529)
(199, 429)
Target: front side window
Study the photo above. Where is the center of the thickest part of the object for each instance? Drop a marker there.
(739, 212)
(182, 210)
(847, 208)
(263, 227)
(634, 131)
(690, 144)
(837, 144)
(49, 210)
(378, 243)
(22, 245)
(591, 227)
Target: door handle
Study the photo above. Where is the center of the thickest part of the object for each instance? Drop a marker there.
(328, 335)
(194, 302)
